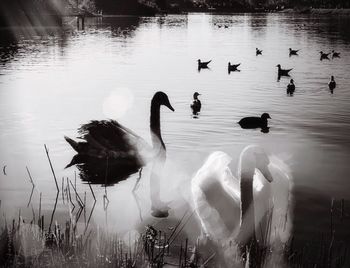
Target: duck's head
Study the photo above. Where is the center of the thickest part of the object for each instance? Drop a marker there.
(161, 98)
(332, 78)
(290, 49)
(199, 61)
(321, 52)
(195, 95)
(265, 116)
(278, 66)
(292, 81)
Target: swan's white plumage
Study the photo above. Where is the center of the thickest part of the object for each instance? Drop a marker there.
(216, 196)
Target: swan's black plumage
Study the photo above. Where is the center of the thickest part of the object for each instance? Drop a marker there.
(109, 152)
(254, 122)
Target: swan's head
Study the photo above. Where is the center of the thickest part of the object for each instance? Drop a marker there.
(262, 164)
(265, 116)
(254, 157)
(278, 66)
(161, 98)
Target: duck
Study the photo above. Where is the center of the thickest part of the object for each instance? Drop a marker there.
(283, 72)
(233, 67)
(291, 88)
(225, 204)
(293, 52)
(226, 26)
(324, 56)
(335, 54)
(109, 152)
(258, 51)
(203, 64)
(332, 84)
(196, 104)
(255, 122)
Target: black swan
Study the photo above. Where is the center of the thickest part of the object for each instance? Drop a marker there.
(109, 152)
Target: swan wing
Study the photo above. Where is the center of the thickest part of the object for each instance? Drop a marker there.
(111, 136)
(215, 205)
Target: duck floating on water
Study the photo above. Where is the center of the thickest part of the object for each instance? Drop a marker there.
(203, 64)
(332, 84)
(291, 88)
(196, 104)
(293, 51)
(233, 67)
(255, 122)
(335, 54)
(258, 51)
(282, 72)
(324, 56)
(109, 152)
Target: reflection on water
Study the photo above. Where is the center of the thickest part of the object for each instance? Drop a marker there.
(51, 84)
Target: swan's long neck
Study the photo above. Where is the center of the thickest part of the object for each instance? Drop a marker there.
(247, 226)
(155, 125)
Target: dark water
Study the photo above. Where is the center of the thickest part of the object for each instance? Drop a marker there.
(51, 84)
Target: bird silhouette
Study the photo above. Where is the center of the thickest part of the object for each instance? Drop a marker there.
(282, 72)
(255, 122)
(203, 64)
(335, 54)
(196, 104)
(258, 51)
(291, 88)
(293, 52)
(332, 84)
(233, 67)
(324, 56)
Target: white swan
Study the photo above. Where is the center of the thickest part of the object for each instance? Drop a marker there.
(224, 204)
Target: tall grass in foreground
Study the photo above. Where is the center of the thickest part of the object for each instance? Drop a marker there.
(31, 245)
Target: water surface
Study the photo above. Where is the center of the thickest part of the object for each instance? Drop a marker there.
(50, 85)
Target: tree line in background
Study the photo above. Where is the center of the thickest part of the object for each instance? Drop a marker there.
(35, 11)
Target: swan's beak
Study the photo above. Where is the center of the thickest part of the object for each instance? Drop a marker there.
(170, 107)
(267, 174)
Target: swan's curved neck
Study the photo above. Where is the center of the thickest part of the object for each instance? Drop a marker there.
(155, 125)
(247, 226)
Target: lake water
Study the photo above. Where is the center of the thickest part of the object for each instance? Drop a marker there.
(51, 84)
